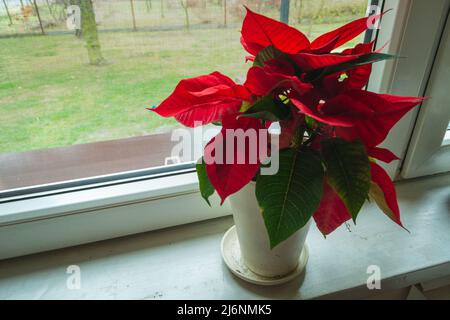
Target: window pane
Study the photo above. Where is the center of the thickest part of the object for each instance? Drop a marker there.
(55, 93)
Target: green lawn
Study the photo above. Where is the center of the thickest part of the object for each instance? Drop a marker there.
(50, 96)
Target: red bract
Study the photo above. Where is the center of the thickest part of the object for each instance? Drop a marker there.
(276, 74)
(359, 114)
(332, 211)
(352, 79)
(384, 155)
(203, 99)
(239, 139)
(342, 35)
(386, 111)
(259, 32)
(309, 61)
(383, 191)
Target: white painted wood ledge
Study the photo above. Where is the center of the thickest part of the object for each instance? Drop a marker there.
(185, 263)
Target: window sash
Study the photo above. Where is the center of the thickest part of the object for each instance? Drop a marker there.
(412, 30)
(427, 153)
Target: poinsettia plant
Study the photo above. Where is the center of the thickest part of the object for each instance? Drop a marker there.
(331, 127)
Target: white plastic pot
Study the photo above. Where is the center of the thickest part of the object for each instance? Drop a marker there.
(254, 240)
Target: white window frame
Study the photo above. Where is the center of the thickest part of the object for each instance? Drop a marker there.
(418, 28)
(427, 152)
(67, 219)
(74, 218)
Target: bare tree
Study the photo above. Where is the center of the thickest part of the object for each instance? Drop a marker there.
(316, 16)
(224, 13)
(185, 5)
(50, 9)
(36, 9)
(89, 31)
(7, 12)
(133, 16)
(148, 4)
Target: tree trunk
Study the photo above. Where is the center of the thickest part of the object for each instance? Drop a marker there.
(162, 8)
(38, 16)
(186, 13)
(316, 16)
(224, 13)
(89, 31)
(133, 16)
(52, 13)
(7, 12)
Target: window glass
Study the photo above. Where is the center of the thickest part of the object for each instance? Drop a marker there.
(60, 87)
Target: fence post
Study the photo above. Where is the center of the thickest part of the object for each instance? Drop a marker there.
(224, 13)
(133, 15)
(284, 11)
(38, 16)
(7, 12)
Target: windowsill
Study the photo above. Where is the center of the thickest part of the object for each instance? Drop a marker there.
(41, 167)
(185, 262)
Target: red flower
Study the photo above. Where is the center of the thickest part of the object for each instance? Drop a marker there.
(382, 154)
(353, 79)
(203, 99)
(232, 162)
(309, 61)
(383, 191)
(334, 39)
(332, 211)
(259, 32)
(359, 114)
(276, 74)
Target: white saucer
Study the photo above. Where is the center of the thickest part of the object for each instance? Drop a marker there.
(231, 254)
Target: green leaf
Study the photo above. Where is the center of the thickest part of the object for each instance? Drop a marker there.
(266, 54)
(289, 198)
(245, 106)
(206, 188)
(268, 109)
(348, 172)
(310, 122)
(364, 59)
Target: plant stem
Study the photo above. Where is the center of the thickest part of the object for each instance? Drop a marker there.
(297, 139)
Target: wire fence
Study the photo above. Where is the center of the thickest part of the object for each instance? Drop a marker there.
(29, 17)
